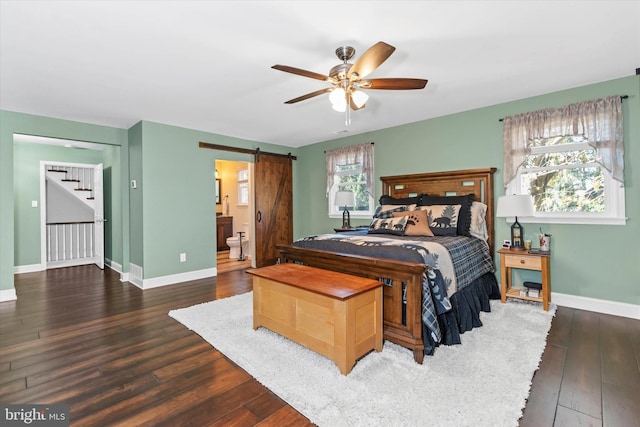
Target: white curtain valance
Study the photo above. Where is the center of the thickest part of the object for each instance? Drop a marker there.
(599, 121)
(353, 154)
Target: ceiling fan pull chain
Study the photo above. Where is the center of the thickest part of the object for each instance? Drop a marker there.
(347, 111)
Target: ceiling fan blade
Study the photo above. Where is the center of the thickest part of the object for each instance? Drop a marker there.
(301, 72)
(309, 95)
(371, 59)
(394, 84)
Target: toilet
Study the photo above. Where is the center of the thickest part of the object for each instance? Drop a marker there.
(234, 244)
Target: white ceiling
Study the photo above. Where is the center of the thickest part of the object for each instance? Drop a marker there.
(205, 65)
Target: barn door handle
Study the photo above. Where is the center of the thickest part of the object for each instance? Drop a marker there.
(259, 216)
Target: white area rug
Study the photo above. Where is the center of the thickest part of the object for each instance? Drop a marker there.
(482, 382)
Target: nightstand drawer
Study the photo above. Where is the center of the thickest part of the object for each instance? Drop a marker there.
(523, 261)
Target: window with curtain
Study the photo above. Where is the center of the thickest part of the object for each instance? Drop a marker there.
(570, 160)
(351, 169)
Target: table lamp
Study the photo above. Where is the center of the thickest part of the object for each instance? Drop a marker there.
(346, 199)
(514, 206)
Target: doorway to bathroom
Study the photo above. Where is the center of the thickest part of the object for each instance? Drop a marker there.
(234, 215)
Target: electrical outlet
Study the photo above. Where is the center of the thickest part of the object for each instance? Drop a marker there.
(183, 257)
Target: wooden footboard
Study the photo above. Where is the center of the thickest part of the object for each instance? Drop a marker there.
(406, 332)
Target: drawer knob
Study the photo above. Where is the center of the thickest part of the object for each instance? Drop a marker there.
(521, 261)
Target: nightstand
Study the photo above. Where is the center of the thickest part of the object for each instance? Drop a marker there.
(511, 258)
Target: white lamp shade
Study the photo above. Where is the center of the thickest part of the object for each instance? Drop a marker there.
(359, 98)
(338, 100)
(515, 205)
(345, 198)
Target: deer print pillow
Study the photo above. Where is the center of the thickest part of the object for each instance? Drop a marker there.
(443, 219)
(417, 223)
(388, 226)
(464, 216)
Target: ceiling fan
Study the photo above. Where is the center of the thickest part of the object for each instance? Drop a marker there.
(347, 79)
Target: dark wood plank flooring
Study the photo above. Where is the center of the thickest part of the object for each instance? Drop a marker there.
(80, 336)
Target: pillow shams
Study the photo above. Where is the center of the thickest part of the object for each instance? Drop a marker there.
(391, 225)
(464, 218)
(388, 200)
(443, 219)
(386, 211)
(417, 223)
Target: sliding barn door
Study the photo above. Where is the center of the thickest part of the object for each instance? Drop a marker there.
(274, 206)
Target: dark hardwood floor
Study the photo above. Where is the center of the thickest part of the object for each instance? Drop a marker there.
(80, 336)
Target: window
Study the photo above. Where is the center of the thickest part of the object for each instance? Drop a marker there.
(243, 187)
(351, 169)
(566, 165)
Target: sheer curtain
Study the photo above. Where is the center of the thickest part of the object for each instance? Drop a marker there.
(599, 121)
(352, 154)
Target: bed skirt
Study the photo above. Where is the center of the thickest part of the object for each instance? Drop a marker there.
(465, 312)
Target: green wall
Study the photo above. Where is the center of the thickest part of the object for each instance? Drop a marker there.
(12, 122)
(112, 171)
(26, 185)
(176, 181)
(173, 211)
(136, 210)
(594, 261)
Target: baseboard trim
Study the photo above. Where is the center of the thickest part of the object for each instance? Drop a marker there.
(113, 265)
(8, 295)
(20, 269)
(71, 263)
(135, 275)
(614, 308)
(124, 277)
(174, 278)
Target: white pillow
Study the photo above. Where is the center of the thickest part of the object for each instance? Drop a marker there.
(478, 227)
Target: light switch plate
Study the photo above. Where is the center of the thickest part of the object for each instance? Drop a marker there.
(34, 203)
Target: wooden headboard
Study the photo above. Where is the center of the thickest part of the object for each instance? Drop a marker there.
(450, 183)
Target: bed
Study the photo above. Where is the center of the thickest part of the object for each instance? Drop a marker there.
(435, 286)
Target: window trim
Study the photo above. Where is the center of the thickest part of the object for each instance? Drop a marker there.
(353, 214)
(614, 213)
(360, 154)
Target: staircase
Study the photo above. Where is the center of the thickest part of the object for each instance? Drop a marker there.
(75, 180)
(70, 227)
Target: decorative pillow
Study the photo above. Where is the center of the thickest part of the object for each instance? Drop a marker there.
(388, 200)
(386, 211)
(417, 223)
(478, 221)
(464, 219)
(388, 226)
(443, 219)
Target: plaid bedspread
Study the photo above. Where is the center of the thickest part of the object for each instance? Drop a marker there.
(453, 263)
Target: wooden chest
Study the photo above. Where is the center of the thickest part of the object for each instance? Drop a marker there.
(336, 315)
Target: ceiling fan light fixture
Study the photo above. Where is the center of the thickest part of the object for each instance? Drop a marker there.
(338, 100)
(359, 98)
(346, 79)
(340, 107)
